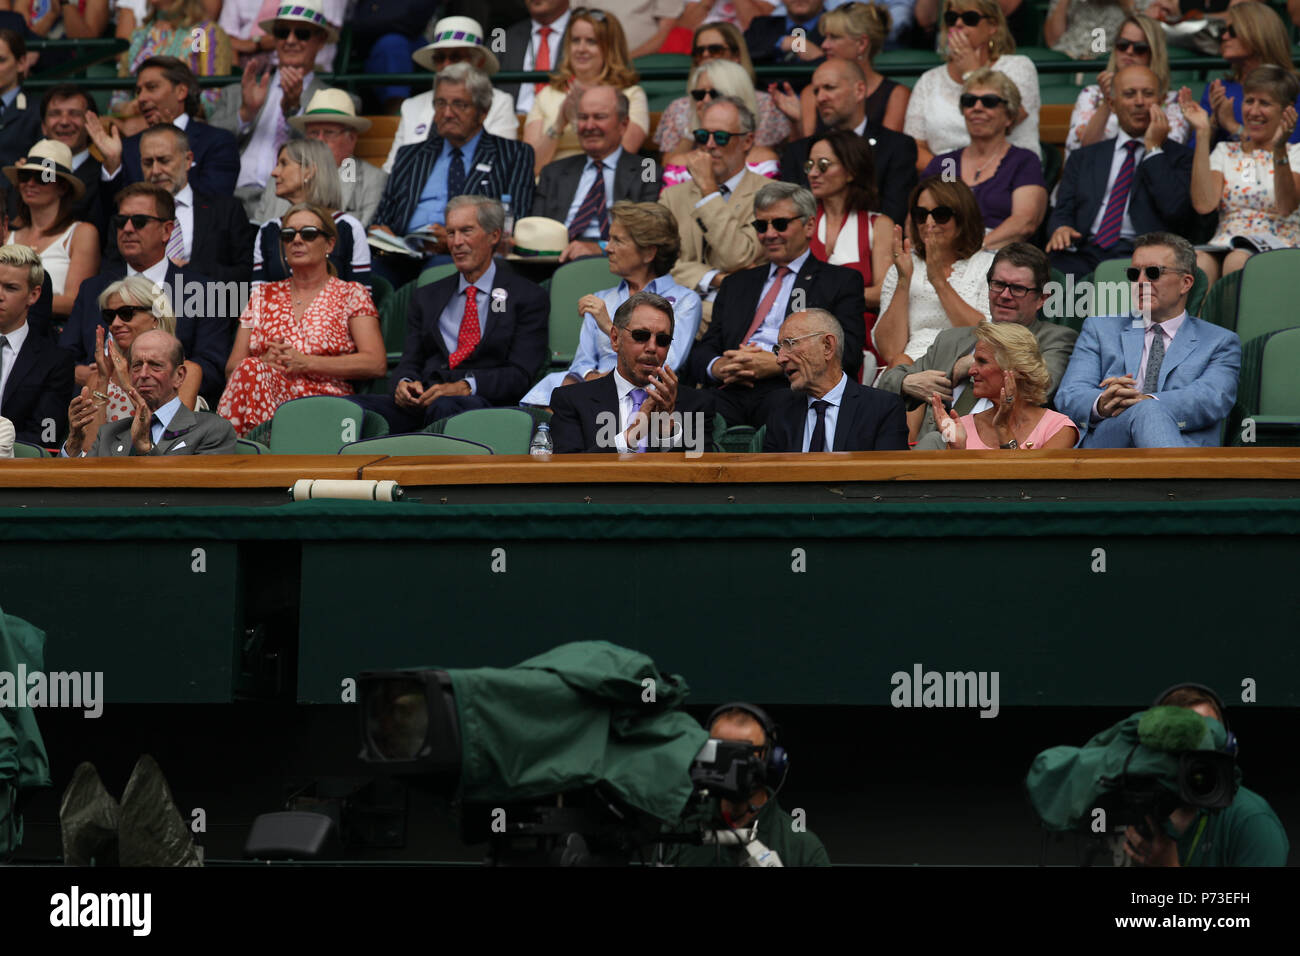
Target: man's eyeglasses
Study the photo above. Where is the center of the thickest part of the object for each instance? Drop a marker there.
(821, 165)
(1135, 46)
(308, 233)
(460, 106)
(997, 287)
(780, 225)
(662, 339)
(700, 95)
(139, 220)
(940, 214)
(720, 136)
(788, 344)
(711, 49)
(971, 18)
(301, 34)
(987, 100)
(125, 313)
(1151, 272)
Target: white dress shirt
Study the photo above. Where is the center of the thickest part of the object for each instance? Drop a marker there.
(156, 272)
(625, 401)
(9, 355)
(834, 397)
(527, 91)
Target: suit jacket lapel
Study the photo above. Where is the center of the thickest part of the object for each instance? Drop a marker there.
(846, 418)
(1183, 345)
(1100, 176)
(204, 229)
(804, 280)
(24, 362)
(604, 398)
(179, 428)
(625, 175)
(441, 298)
(485, 155)
(1131, 338)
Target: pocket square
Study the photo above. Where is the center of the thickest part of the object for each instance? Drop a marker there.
(177, 447)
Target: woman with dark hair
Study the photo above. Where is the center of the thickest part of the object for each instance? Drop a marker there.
(44, 220)
(939, 279)
(308, 334)
(22, 125)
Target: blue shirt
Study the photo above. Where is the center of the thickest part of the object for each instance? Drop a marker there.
(8, 98)
(450, 320)
(609, 163)
(1233, 91)
(595, 354)
(433, 200)
(835, 397)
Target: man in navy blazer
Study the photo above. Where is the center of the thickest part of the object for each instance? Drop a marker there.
(1157, 379)
(1159, 193)
(824, 409)
(473, 340)
(35, 375)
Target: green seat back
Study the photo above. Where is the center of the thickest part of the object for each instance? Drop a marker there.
(665, 61)
(1264, 304)
(570, 283)
(315, 426)
(25, 449)
(434, 273)
(1279, 387)
(1220, 305)
(415, 443)
(246, 446)
(380, 290)
(392, 320)
(507, 431)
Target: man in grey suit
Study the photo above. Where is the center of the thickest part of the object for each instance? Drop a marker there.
(161, 425)
(579, 190)
(1017, 282)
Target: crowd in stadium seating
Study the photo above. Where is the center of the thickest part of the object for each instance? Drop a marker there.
(754, 208)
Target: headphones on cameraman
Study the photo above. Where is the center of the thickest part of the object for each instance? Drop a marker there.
(777, 761)
(1230, 747)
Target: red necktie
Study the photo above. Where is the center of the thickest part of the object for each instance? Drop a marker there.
(1108, 234)
(765, 306)
(467, 339)
(543, 59)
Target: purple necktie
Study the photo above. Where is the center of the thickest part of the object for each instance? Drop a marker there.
(593, 207)
(638, 397)
(1108, 234)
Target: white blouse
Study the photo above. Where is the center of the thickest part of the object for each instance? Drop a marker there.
(925, 315)
(934, 116)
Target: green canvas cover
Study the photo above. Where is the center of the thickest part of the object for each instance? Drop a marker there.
(571, 717)
(24, 764)
(1065, 782)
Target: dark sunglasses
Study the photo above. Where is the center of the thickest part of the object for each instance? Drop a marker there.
(662, 339)
(987, 100)
(700, 95)
(780, 225)
(941, 214)
(822, 164)
(1151, 272)
(139, 220)
(32, 176)
(125, 313)
(720, 136)
(997, 287)
(1133, 46)
(712, 49)
(971, 18)
(308, 233)
(1229, 33)
(301, 34)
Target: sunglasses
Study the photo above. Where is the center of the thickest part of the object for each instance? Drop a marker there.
(712, 49)
(821, 165)
(780, 225)
(32, 176)
(139, 220)
(308, 233)
(720, 136)
(125, 313)
(1151, 272)
(997, 287)
(1229, 33)
(301, 34)
(969, 17)
(1134, 46)
(662, 339)
(986, 100)
(700, 95)
(941, 214)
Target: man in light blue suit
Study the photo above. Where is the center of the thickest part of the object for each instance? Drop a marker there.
(1158, 378)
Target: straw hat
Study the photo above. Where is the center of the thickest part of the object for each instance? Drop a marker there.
(539, 236)
(53, 156)
(457, 32)
(305, 11)
(330, 106)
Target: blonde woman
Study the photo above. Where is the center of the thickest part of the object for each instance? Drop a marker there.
(728, 77)
(975, 35)
(1254, 36)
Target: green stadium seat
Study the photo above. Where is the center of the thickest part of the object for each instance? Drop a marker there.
(434, 273)
(1278, 419)
(1220, 305)
(507, 431)
(570, 283)
(25, 449)
(415, 443)
(380, 290)
(1265, 303)
(246, 446)
(392, 321)
(318, 425)
(756, 443)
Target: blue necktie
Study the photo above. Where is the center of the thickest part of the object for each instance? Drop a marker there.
(818, 442)
(456, 174)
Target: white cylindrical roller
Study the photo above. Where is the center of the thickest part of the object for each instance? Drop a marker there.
(354, 489)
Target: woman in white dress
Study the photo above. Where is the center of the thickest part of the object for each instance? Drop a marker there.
(47, 191)
(975, 35)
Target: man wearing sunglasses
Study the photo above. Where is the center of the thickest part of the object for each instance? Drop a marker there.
(840, 89)
(1157, 378)
(639, 406)
(735, 355)
(1118, 189)
(579, 191)
(1017, 280)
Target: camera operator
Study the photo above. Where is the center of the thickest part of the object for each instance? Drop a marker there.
(1245, 833)
(776, 830)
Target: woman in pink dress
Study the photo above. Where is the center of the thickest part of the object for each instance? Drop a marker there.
(305, 335)
(1009, 371)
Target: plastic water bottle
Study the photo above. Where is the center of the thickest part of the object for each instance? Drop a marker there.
(509, 229)
(542, 445)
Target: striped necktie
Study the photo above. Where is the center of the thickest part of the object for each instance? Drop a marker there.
(593, 208)
(1108, 234)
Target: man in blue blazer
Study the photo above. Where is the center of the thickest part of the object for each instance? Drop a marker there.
(824, 409)
(1159, 378)
(473, 340)
(460, 158)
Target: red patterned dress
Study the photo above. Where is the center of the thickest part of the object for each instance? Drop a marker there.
(255, 390)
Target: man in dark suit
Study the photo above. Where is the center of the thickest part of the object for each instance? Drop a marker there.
(534, 44)
(20, 118)
(841, 92)
(824, 409)
(475, 339)
(736, 353)
(638, 406)
(161, 424)
(168, 93)
(567, 190)
(1118, 189)
(35, 376)
(205, 309)
(460, 159)
(63, 118)
(793, 38)
(212, 235)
